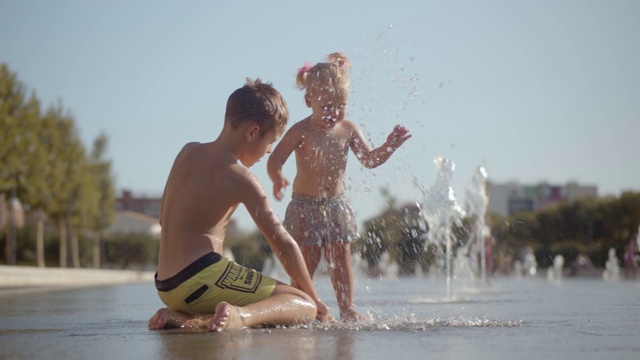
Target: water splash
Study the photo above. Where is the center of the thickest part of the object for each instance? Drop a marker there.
(477, 204)
(411, 322)
(555, 272)
(441, 211)
(612, 267)
(528, 267)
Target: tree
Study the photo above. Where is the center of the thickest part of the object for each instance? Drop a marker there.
(399, 231)
(51, 140)
(83, 205)
(33, 181)
(19, 121)
(106, 195)
(250, 250)
(79, 187)
(45, 165)
(64, 165)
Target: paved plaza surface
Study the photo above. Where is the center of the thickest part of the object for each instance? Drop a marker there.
(411, 318)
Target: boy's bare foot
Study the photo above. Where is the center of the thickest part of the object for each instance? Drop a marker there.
(197, 322)
(351, 314)
(226, 317)
(159, 319)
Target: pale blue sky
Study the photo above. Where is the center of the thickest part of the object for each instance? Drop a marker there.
(532, 90)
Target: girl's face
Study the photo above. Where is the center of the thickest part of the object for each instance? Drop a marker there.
(327, 107)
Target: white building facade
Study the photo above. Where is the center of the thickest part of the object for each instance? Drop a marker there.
(512, 197)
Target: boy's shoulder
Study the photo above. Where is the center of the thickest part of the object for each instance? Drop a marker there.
(187, 147)
(240, 175)
(241, 181)
(191, 144)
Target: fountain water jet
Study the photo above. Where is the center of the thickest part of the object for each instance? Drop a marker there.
(441, 211)
(477, 203)
(612, 270)
(554, 272)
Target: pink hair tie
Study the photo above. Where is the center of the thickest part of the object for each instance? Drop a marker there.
(305, 68)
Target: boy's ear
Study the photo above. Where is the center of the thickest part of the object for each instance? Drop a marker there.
(306, 100)
(252, 131)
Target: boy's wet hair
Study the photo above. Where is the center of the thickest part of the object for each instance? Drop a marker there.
(259, 102)
(332, 76)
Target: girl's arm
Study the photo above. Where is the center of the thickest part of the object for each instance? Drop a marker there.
(372, 158)
(277, 159)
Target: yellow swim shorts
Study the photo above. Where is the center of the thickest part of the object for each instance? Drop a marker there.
(199, 287)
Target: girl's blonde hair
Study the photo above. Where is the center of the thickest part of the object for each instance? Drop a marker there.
(332, 75)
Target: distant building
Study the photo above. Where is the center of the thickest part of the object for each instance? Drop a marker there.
(512, 197)
(134, 222)
(141, 204)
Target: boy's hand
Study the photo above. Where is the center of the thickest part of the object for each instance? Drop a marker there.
(397, 137)
(277, 188)
(323, 314)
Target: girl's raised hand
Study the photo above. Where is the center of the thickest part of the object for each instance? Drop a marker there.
(398, 136)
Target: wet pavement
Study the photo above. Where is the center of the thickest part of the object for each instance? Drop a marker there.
(411, 319)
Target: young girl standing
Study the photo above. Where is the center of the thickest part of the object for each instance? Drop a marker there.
(318, 216)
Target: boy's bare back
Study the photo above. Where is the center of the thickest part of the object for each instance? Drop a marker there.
(203, 190)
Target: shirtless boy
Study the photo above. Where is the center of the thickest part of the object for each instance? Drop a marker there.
(206, 184)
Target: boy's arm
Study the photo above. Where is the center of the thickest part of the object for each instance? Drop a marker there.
(277, 159)
(283, 245)
(372, 158)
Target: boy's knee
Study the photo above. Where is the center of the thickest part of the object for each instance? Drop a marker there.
(311, 313)
(304, 296)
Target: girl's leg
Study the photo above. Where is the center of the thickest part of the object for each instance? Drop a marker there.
(311, 255)
(339, 258)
